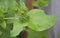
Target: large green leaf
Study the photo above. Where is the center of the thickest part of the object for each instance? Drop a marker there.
(39, 21)
(40, 3)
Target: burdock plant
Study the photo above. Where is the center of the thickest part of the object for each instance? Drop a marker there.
(15, 17)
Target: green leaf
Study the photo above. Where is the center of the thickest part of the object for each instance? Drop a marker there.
(17, 28)
(11, 7)
(22, 7)
(39, 21)
(1, 9)
(12, 4)
(4, 5)
(36, 12)
(0, 32)
(40, 3)
(1, 13)
(34, 34)
(3, 24)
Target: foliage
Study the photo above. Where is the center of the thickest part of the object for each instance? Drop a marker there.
(36, 34)
(15, 16)
(40, 3)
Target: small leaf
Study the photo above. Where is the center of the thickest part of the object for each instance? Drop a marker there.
(39, 21)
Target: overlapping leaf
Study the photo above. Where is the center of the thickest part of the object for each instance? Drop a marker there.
(17, 28)
(39, 21)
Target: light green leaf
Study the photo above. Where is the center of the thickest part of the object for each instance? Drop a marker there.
(34, 34)
(4, 5)
(1, 8)
(3, 24)
(11, 7)
(36, 12)
(12, 4)
(1, 13)
(39, 21)
(40, 3)
(17, 28)
(22, 7)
